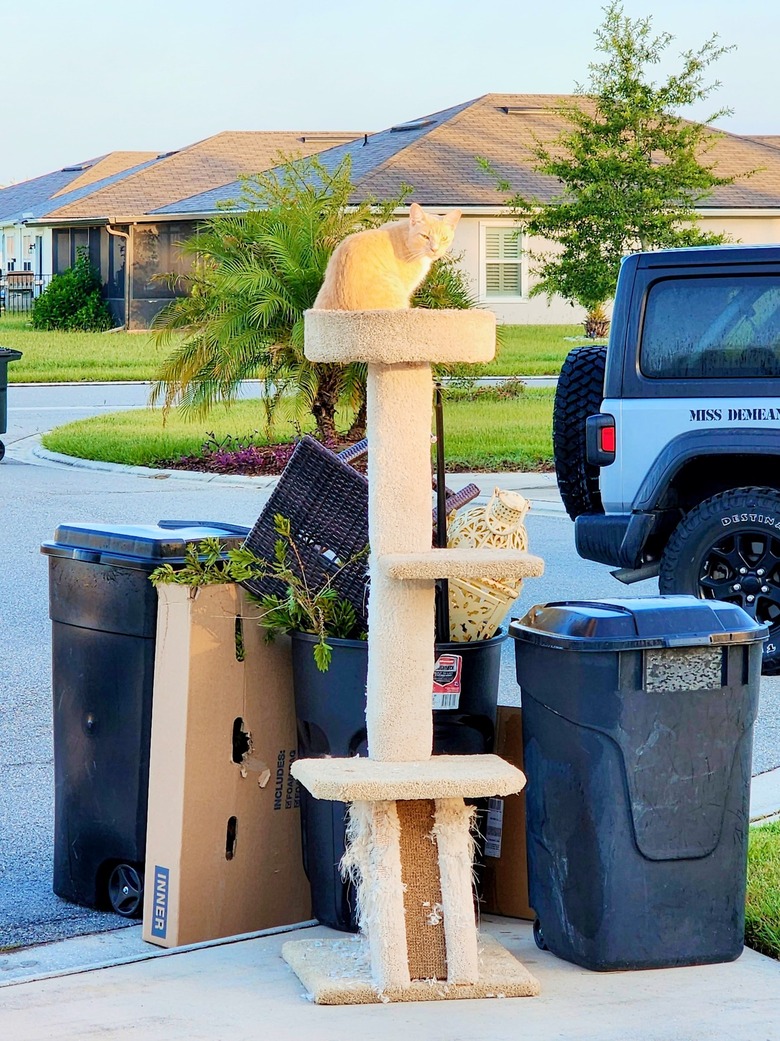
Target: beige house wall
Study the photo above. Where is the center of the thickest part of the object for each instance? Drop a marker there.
(747, 228)
(750, 229)
(525, 310)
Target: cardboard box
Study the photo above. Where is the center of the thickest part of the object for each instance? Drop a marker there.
(223, 847)
(505, 875)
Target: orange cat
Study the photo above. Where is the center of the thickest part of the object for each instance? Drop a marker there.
(380, 269)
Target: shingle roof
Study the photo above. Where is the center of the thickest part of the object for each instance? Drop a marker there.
(368, 152)
(107, 166)
(35, 196)
(199, 167)
(438, 158)
(29, 196)
(773, 140)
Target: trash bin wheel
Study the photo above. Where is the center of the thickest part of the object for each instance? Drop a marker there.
(126, 890)
(2, 449)
(539, 936)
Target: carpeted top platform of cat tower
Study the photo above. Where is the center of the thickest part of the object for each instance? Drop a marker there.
(392, 337)
(338, 972)
(440, 777)
(496, 564)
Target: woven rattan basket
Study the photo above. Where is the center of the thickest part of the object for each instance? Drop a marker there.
(326, 501)
(478, 607)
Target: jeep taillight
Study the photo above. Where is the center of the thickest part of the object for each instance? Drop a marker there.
(600, 440)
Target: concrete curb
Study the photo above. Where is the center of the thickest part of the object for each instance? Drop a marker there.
(103, 950)
(765, 797)
(497, 380)
(513, 480)
(193, 476)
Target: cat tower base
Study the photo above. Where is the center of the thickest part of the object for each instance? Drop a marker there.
(338, 972)
(410, 854)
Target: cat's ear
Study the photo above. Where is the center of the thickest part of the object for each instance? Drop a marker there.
(452, 218)
(416, 214)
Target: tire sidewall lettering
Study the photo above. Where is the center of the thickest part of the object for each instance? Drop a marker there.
(751, 518)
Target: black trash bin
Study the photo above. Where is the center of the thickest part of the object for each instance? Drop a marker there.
(103, 610)
(331, 713)
(637, 734)
(6, 355)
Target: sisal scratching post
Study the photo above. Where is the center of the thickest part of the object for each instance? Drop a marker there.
(410, 848)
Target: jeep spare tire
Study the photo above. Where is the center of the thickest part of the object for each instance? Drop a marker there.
(579, 394)
(728, 548)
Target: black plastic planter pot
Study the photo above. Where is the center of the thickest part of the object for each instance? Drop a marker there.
(331, 711)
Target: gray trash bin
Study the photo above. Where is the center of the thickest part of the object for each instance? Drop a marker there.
(6, 355)
(637, 733)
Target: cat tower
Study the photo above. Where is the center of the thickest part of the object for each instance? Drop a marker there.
(410, 838)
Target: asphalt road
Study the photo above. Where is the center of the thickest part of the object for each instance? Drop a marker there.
(34, 499)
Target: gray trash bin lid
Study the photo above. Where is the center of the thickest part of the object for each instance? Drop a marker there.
(142, 546)
(635, 623)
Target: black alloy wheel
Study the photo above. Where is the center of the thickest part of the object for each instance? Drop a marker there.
(728, 548)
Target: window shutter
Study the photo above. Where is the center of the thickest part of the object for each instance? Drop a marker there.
(503, 269)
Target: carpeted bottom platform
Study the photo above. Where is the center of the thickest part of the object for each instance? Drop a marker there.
(338, 972)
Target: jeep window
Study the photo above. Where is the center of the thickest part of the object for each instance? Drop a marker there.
(725, 326)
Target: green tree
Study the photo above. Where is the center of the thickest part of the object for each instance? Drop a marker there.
(72, 300)
(632, 170)
(256, 269)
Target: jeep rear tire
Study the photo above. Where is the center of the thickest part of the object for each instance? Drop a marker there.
(579, 395)
(728, 548)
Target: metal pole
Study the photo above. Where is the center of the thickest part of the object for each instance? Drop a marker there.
(442, 586)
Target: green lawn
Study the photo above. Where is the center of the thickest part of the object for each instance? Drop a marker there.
(487, 434)
(511, 434)
(762, 910)
(534, 350)
(52, 357)
(59, 357)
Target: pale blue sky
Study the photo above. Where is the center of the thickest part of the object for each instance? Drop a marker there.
(84, 77)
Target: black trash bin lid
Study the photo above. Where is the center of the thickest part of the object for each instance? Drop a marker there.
(633, 623)
(9, 354)
(138, 545)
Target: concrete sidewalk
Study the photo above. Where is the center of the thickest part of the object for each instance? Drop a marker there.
(244, 989)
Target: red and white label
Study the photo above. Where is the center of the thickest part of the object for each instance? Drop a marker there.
(446, 681)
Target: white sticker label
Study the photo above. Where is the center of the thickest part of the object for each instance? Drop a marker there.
(494, 828)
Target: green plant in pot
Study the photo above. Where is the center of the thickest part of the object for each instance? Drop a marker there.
(317, 612)
(301, 608)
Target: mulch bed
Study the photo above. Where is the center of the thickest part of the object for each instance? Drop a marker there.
(247, 460)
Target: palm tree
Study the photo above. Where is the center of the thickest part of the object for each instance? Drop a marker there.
(256, 269)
